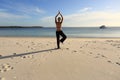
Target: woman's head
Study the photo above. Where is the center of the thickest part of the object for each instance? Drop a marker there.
(59, 19)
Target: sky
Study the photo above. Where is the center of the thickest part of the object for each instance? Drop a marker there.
(76, 13)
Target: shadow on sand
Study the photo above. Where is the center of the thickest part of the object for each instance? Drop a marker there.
(22, 54)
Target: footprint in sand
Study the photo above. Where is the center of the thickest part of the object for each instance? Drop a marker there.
(74, 51)
(91, 53)
(103, 56)
(97, 57)
(118, 47)
(14, 54)
(17, 43)
(2, 78)
(98, 54)
(23, 57)
(33, 43)
(0, 55)
(67, 48)
(28, 46)
(118, 63)
(109, 61)
(32, 49)
(81, 47)
(29, 56)
(5, 67)
(50, 51)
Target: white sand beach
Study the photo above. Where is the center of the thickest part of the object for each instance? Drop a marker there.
(78, 59)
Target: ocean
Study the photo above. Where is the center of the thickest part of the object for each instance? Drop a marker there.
(78, 32)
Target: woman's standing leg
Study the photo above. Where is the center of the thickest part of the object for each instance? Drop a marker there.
(58, 41)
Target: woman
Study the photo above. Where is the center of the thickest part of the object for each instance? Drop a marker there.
(58, 21)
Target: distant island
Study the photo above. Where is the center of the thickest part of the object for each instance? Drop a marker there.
(21, 26)
(102, 27)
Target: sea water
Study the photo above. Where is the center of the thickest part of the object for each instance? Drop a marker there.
(85, 32)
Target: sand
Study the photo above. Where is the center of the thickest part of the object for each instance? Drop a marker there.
(78, 59)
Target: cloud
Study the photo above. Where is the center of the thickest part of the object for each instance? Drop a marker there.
(90, 19)
(95, 18)
(85, 9)
(4, 15)
(39, 10)
(47, 21)
(30, 10)
(22, 8)
(1, 10)
(12, 19)
(14, 12)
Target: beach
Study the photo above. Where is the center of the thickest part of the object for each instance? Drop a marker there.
(23, 58)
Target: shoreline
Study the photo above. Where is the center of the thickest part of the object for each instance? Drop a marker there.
(70, 32)
(67, 37)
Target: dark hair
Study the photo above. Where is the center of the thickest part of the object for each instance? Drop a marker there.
(59, 18)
